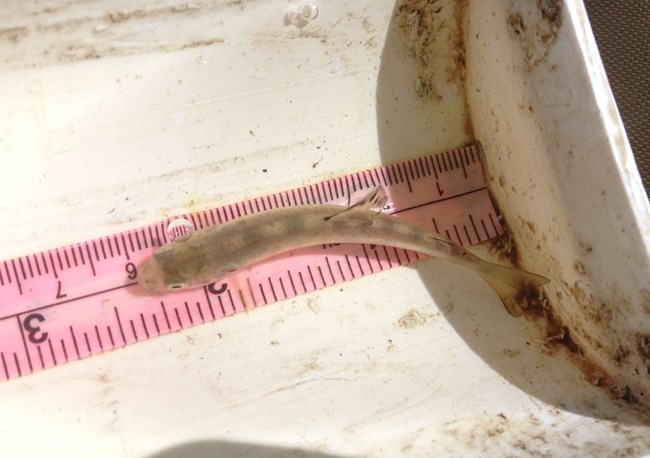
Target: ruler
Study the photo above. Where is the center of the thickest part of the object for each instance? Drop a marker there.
(68, 303)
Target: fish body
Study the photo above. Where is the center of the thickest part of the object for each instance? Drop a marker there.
(210, 254)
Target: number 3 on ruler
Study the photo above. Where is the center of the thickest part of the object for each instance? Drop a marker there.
(34, 333)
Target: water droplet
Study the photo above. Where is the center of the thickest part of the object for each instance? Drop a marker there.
(300, 15)
(308, 11)
(293, 15)
(388, 208)
(179, 229)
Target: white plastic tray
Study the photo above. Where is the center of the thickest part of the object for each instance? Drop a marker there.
(116, 114)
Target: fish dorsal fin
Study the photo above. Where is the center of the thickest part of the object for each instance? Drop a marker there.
(374, 200)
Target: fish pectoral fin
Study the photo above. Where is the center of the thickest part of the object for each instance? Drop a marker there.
(375, 200)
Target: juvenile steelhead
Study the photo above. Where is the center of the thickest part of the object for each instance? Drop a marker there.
(215, 252)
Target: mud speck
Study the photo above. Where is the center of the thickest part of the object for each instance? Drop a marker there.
(644, 350)
(532, 227)
(511, 353)
(412, 319)
(433, 35)
(621, 355)
(503, 246)
(536, 32)
(516, 24)
(14, 34)
(535, 306)
(587, 248)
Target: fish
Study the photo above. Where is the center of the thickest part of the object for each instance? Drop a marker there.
(207, 255)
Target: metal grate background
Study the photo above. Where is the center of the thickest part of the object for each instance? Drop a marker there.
(622, 30)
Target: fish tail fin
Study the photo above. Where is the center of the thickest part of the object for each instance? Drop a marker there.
(509, 283)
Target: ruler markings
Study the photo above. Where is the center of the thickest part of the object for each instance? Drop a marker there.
(347, 260)
(119, 324)
(242, 300)
(169, 326)
(200, 310)
(74, 342)
(223, 310)
(329, 269)
(87, 340)
(17, 363)
(96, 251)
(135, 334)
(302, 282)
(109, 243)
(126, 251)
(284, 291)
(110, 336)
(469, 238)
(22, 335)
(144, 325)
(346, 189)
(463, 166)
(20, 287)
(90, 260)
(58, 258)
(52, 352)
(275, 296)
(293, 285)
(312, 195)
(494, 226)
(311, 276)
(322, 277)
(36, 263)
(189, 314)
(178, 318)
(356, 257)
(102, 248)
(99, 338)
(399, 168)
(41, 360)
(22, 268)
(356, 184)
(262, 292)
(4, 365)
(74, 257)
(137, 240)
(155, 323)
(116, 242)
(365, 255)
(129, 237)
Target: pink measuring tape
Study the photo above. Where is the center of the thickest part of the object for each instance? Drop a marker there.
(68, 303)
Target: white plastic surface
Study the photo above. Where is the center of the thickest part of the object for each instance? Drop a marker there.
(115, 114)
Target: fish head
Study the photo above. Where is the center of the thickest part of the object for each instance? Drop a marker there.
(171, 268)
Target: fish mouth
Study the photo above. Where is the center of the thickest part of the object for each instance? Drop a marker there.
(151, 276)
